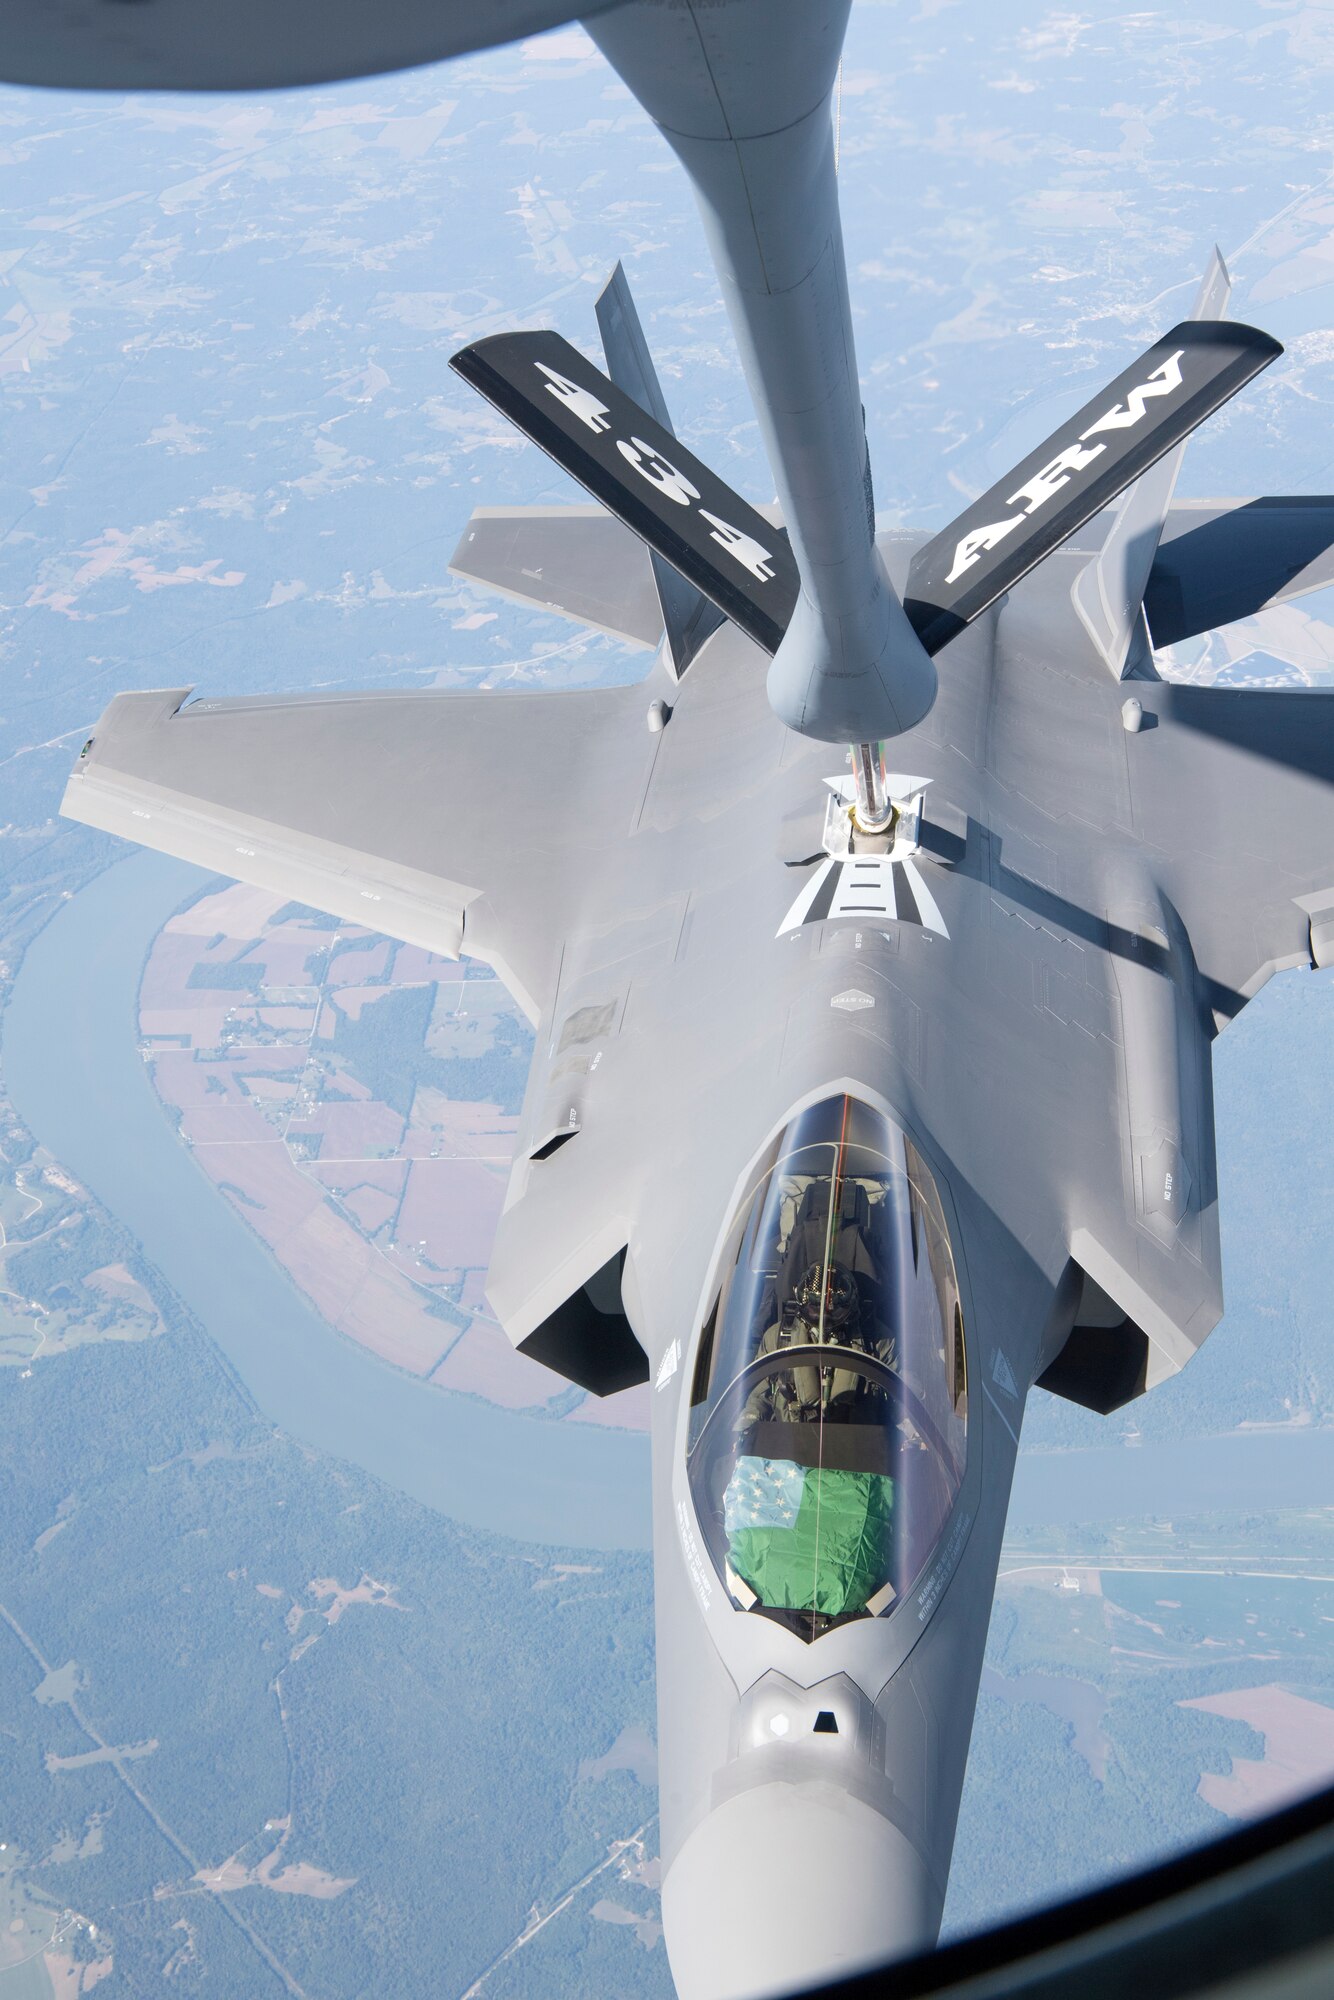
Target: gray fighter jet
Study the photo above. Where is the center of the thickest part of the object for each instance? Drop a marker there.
(876, 943)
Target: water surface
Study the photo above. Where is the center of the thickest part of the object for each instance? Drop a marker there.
(77, 1079)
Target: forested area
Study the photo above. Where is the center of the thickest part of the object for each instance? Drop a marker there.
(384, 1048)
(429, 1752)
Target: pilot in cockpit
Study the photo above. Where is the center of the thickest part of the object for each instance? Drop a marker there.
(825, 1307)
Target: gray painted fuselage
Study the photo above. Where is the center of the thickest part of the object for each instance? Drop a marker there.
(1048, 1058)
(1109, 897)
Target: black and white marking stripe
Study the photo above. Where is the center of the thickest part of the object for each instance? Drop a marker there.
(871, 888)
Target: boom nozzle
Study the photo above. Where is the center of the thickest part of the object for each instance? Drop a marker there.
(874, 811)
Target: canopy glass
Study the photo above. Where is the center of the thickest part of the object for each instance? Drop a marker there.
(829, 1407)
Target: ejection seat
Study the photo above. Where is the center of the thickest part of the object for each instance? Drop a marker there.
(808, 1247)
(810, 1234)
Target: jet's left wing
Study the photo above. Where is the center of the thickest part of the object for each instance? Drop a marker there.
(452, 821)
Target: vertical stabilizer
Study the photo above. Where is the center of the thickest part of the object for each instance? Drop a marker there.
(688, 617)
(1109, 593)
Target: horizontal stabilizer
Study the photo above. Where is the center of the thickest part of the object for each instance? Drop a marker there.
(639, 473)
(574, 560)
(1220, 560)
(1182, 379)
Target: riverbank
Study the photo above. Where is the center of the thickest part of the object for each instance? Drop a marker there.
(75, 1075)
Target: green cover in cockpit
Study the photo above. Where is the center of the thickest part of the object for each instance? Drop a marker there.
(808, 1539)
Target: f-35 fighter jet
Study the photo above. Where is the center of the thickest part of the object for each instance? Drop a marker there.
(876, 943)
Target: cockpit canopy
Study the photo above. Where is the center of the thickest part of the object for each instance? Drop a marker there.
(829, 1408)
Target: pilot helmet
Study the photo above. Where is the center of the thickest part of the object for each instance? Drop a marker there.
(829, 1296)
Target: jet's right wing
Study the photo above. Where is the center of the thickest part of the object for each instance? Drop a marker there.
(448, 820)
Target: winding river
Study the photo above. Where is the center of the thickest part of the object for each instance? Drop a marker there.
(77, 1079)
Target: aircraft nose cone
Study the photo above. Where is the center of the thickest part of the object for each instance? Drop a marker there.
(787, 1885)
